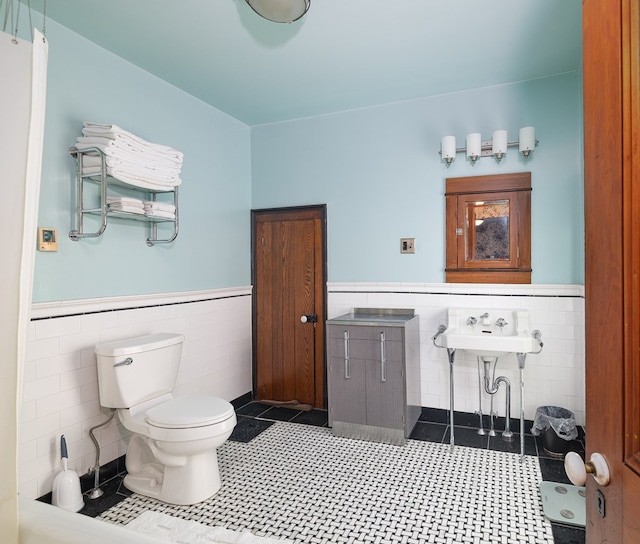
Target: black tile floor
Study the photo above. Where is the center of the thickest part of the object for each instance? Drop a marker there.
(254, 418)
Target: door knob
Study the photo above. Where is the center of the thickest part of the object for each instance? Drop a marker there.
(577, 470)
(313, 318)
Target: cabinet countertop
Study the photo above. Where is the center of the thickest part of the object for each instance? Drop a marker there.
(374, 317)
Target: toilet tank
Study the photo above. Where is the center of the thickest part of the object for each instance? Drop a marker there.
(137, 369)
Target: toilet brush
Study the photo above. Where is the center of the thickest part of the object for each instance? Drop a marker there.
(66, 486)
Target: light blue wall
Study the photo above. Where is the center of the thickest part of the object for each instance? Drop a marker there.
(377, 169)
(87, 83)
(379, 172)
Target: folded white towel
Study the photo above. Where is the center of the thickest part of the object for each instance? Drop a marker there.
(129, 201)
(129, 158)
(161, 169)
(134, 178)
(156, 205)
(125, 208)
(144, 182)
(160, 213)
(117, 133)
(151, 186)
(124, 151)
(169, 181)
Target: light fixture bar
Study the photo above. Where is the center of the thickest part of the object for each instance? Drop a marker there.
(496, 147)
(486, 147)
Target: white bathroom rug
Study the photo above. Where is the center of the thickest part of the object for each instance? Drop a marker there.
(181, 531)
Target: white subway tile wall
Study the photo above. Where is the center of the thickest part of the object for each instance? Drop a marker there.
(60, 394)
(554, 377)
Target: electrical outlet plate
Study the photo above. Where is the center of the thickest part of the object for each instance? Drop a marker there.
(407, 245)
(47, 239)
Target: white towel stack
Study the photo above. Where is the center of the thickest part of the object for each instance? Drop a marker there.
(125, 204)
(129, 158)
(164, 210)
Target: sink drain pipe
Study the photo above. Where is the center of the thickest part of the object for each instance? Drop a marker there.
(96, 492)
(492, 389)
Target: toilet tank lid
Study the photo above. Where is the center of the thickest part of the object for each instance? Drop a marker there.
(184, 412)
(139, 344)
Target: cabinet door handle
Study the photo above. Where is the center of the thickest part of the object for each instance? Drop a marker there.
(383, 359)
(347, 374)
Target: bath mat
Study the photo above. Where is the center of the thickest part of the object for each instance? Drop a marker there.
(563, 503)
(181, 531)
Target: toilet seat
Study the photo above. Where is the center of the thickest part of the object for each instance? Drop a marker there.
(189, 412)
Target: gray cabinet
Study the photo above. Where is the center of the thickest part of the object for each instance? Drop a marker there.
(374, 374)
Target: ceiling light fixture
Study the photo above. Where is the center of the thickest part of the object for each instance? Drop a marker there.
(496, 147)
(280, 11)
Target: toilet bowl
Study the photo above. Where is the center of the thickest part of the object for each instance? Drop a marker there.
(171, 455)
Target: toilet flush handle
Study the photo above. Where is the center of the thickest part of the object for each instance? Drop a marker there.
(126, 362)
(577, 470)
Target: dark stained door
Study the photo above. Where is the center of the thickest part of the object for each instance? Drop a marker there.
(611, 54)
(289, 278)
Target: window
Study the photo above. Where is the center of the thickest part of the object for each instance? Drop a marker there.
(488, 229)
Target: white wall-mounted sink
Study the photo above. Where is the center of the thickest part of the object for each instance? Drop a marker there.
(479, 332)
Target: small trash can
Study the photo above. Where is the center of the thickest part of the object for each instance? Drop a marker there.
(557, 426)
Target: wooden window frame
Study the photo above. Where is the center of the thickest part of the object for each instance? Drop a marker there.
(516, 188)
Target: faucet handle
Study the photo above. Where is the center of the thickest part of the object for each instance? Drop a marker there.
(472, 320)
(500, 322)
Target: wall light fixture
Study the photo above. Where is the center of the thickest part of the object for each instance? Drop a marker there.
(496, 147)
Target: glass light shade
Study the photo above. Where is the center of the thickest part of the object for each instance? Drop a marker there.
(527, 140)
(474, 145)
(499, 145)
(448, 148)
(280, 11)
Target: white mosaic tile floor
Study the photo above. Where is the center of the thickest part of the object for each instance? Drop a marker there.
(302, 483)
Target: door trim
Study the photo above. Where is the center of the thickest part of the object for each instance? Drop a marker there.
(321, 369)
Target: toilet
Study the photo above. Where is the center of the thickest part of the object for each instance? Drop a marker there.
(171, 454)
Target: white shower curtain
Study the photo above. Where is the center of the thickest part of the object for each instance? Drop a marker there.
(23, 70)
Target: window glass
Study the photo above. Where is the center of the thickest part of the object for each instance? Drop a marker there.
(488, 230)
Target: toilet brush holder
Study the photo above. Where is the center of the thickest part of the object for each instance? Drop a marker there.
(66, 486)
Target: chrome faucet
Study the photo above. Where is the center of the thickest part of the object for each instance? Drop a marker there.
(471, 320)
(484, 315)
(500, 322)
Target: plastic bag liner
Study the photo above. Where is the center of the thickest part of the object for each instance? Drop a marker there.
(561, 420)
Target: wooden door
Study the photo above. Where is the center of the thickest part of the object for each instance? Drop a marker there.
(289, 270)
(611, 53)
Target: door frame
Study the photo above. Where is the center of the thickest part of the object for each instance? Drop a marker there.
(322, 209)
(612, 262)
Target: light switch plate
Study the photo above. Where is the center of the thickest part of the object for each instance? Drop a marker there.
(47, 239)
(407, 245)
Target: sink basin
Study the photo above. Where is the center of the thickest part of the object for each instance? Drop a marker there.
(478, 332)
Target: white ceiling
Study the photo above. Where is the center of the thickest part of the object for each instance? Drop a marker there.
(343, 54)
